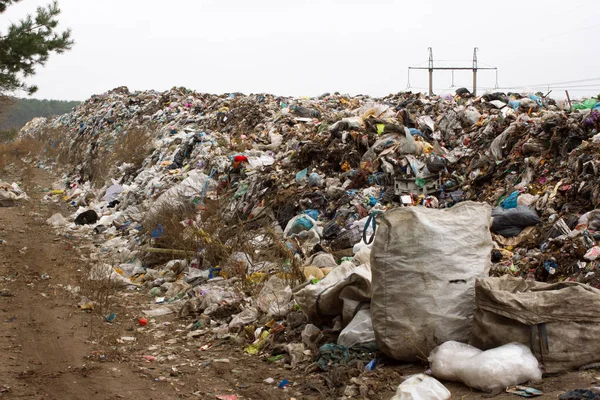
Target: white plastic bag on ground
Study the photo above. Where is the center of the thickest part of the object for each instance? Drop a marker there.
(274, 297)
(57, 220)
(193, 185)
(244, 318)
(106, 272)
(472, 115)
(10, 194)
(421, 387)
(359, 330)
(112, 193)
(508, 365)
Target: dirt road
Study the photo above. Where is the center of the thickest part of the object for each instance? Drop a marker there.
(51, 350)
(47, 346)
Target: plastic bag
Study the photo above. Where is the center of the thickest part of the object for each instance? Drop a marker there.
(591, 219)
(57, 220)
(359, 330)
(421, 387)
(509, 223)
(299, 223)
(511, 201)
(274, 297)
(508, 365)
(592, 254)
(527, 199)
(244, 318)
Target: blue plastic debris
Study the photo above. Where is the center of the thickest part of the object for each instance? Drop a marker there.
(157, 232)
(511, 201)
(302, 175)
(371, 365)
(283, 384)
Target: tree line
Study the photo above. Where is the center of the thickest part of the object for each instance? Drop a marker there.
(15, 113)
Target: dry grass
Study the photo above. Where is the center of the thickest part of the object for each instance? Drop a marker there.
(14, 151)
(205, 235)
(50, 145)
(131, 146)
(59, 145)
(101, 289)
(176, 236)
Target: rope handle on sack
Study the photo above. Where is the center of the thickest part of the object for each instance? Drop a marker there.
(539, 332)
(373, 224)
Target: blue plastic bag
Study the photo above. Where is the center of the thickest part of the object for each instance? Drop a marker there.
(314, 214)
(314, 179)
(302, 175)
(514, 104)
(415, 131)
(510, 201)
(301, 224)
(537, 99)
(157, 232)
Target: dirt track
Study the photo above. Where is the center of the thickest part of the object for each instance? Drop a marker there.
(51, 350)
(45, 342)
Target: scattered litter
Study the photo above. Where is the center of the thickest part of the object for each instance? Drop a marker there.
(421, 387)
(524, 391)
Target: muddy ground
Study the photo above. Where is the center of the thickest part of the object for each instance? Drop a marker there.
(50, 349)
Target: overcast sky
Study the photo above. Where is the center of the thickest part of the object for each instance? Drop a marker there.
(311, 47)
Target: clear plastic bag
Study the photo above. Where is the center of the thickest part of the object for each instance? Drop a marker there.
(508, 365)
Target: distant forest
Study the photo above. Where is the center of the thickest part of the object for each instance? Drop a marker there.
(15, 113)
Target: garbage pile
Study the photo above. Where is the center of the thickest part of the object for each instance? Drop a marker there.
(242, 210)
(11, 194)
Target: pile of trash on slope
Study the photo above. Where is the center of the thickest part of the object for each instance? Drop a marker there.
(253, 213)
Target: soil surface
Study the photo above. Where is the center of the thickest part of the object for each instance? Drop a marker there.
(51, 349)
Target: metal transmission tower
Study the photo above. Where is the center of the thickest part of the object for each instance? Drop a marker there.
(475, 67)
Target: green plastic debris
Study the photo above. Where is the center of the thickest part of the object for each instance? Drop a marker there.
(420, 182)
(275, 358)
(586, 104)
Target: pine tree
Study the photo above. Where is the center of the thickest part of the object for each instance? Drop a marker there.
(28, 44)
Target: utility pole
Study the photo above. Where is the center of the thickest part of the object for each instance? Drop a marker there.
(475, 71)
(430, 71)
(475, 67)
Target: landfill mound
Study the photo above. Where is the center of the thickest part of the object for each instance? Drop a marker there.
(240, 207)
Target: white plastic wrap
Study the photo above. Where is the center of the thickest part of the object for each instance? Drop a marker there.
(421, 387)
(508, 365)
(274, 297)
(359, 330)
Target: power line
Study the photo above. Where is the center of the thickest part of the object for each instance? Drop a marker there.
(557, 83)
